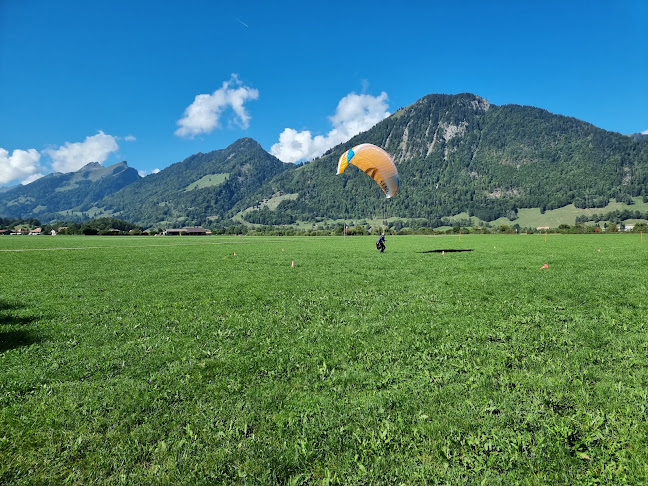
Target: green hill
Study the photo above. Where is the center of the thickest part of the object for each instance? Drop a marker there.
(66, 196)
(198, 190)
(459, 153)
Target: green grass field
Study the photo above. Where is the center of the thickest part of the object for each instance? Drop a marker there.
(209, 180)
(144, 360)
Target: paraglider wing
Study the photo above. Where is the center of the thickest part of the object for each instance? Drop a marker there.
(374, 162)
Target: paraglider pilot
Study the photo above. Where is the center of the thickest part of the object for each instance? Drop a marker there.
(380, 244)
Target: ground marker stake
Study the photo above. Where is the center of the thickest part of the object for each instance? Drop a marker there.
(293, 264)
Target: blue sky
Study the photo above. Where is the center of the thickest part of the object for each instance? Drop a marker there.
(152, 82)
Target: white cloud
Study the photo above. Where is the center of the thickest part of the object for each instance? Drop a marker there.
(645, 132)
(203, 115)
(21, 164)
(144, 173)
(355, 113)
(72, 156)
(32, 178)
(129, 138)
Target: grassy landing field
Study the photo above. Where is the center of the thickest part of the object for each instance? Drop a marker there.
(212, 360)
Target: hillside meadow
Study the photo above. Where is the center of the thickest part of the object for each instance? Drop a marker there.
(214, 360)
(526, 217)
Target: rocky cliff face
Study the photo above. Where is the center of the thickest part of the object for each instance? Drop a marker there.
(431, 122)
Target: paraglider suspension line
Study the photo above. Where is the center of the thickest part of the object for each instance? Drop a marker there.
(386, 212)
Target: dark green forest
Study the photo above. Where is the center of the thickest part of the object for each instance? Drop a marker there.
(500, 159)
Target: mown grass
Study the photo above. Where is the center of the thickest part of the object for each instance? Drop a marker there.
(532, 217)
(174, 361)
(209, 180)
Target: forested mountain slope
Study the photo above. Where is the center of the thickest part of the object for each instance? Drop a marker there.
(198, 190)
(459, 153)
(66, 196)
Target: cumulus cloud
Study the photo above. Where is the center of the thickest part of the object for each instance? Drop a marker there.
(72, 156)
(645, 132)
(32, 178)
(144, 173)
(21, 164)
(129, 138)
(203, 115)
(355, 113)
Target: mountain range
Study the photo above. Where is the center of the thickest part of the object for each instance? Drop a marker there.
(454, 153)
(66, 196)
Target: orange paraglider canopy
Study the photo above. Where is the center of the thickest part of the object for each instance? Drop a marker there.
(374, 162)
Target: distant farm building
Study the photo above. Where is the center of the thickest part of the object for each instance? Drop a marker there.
(194, 231)
(542, 228)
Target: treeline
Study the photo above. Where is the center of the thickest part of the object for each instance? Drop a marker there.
(617, 216)
(99, 226)
(398, 228)
(114, 226)
(13, 223)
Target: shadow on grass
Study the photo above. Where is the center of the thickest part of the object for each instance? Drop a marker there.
(11, 320)
(16, 339)
(10, 337)
(6, 306)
